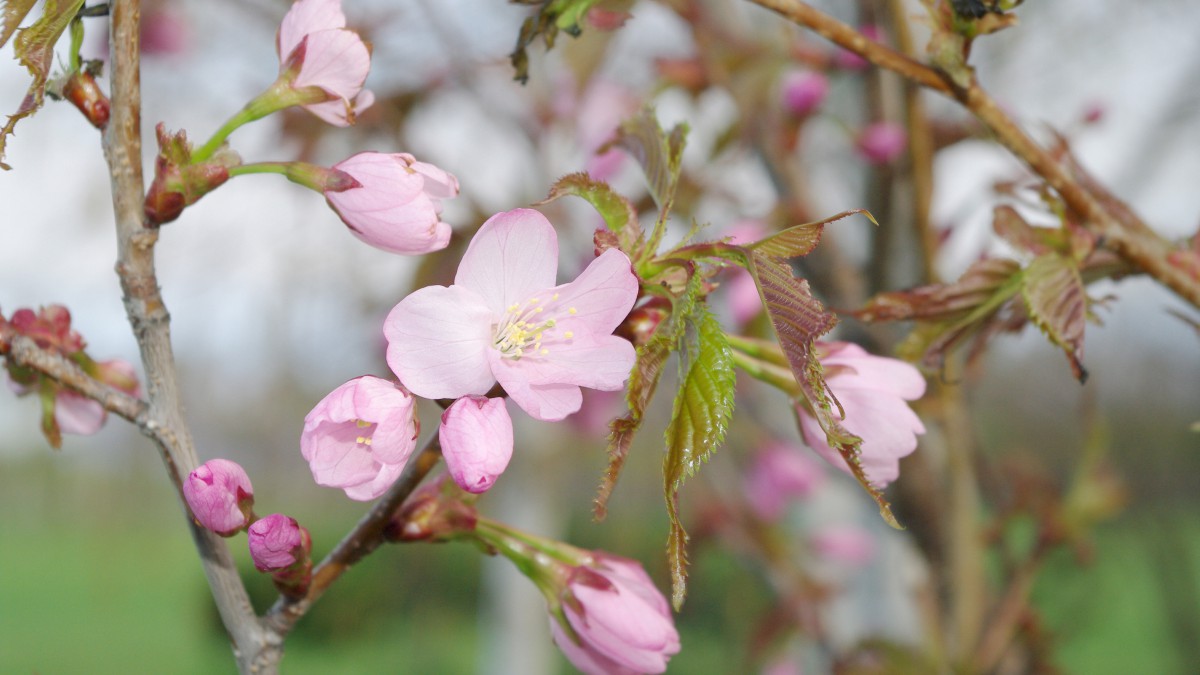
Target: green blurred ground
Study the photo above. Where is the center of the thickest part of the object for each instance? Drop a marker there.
(86, 586)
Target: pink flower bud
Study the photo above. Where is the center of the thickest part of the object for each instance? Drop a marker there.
(873, 391)
(220, 496)
(165, 31)
(779, 474)
(360, 436)
(617, 620)
(477, 441)
(397, 203)
(50, 327)
(804, 91)
(278, 542)
(882, 142)
(316, 50)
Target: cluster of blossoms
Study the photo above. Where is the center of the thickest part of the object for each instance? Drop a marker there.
(64, 411)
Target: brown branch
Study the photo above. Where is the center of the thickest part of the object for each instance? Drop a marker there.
(26, 353)
(151, 324)
(366, 536)
(1124, 233)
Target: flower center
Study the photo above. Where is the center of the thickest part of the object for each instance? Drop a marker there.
(525, 326)
(367, 429)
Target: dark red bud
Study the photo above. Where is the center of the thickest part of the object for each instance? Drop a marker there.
(83, 92)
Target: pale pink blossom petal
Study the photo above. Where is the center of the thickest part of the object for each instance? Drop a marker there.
(843, 544)
(77, 414)
(220, 497)
(546, 402)
(624, 625)
(396, 206)
(477, 441)
(873, 391)
(439, 183)
(600, 295)
(513, 256)
(360, 436)
(438, 342)
(307, 16)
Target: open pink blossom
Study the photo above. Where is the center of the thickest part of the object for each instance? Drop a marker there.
(317, 50)
(220, 496)
(873, 391)
(277, 542)
(477, 441)
(504, 320)
(360, 436)
(77, 414)
(397, 204)
(622, 622)
(779, 474)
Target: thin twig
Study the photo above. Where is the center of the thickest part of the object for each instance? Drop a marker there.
(151, 323)
(366, 536)
(26, 353)
(1125, 234)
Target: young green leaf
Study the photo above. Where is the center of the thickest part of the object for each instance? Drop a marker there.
(699, 420)
(800, 240)
(12, 13)
(617, 211)
(1057, 304)
(34, 48)
(659, 154)
(553, 16)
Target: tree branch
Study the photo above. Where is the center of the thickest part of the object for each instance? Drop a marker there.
(26, 353)
(151, 323)
(366, 536)
(1124, 233)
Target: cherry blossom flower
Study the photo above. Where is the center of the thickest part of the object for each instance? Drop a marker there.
(847, 545)
(360, 436)
(504, 320)
(396, 205)
(477, 441)
(882, 142)
(317, 50)
(873, 391)
(779, 474)
(220, 496)
(77, 414)
(620, 621)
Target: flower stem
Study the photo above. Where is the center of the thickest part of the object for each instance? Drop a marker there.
(780, 378)
(300, 173)
(278, 96)
(764, 350)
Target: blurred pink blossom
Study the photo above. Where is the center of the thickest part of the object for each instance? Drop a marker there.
(882, 142)
(873, 391)
(165, 31)
(843, 544)
(603, 106)
(505, 321)
(220, 496)
(317, 50)
(620, 621)
(360, 436)
(804, 91)
(77, 414)
(119, 374)
(397, 203)
(477, 441)
(779, 474)
(277, 542)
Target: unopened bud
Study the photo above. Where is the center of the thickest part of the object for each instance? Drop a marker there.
(83, 92)
(220, 496)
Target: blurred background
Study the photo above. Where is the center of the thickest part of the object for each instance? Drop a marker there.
(274, 304)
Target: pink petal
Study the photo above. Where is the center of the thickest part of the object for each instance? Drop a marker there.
(438, 182)
(545, 402)
(307, 16)
(388, 473)
(598, 362)
(334, 457)
(601, 295)
(477, 441)
(336, 61)
(585, 658)
(438, 342)
(513, 256)
(334, 112)
(77, 414)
